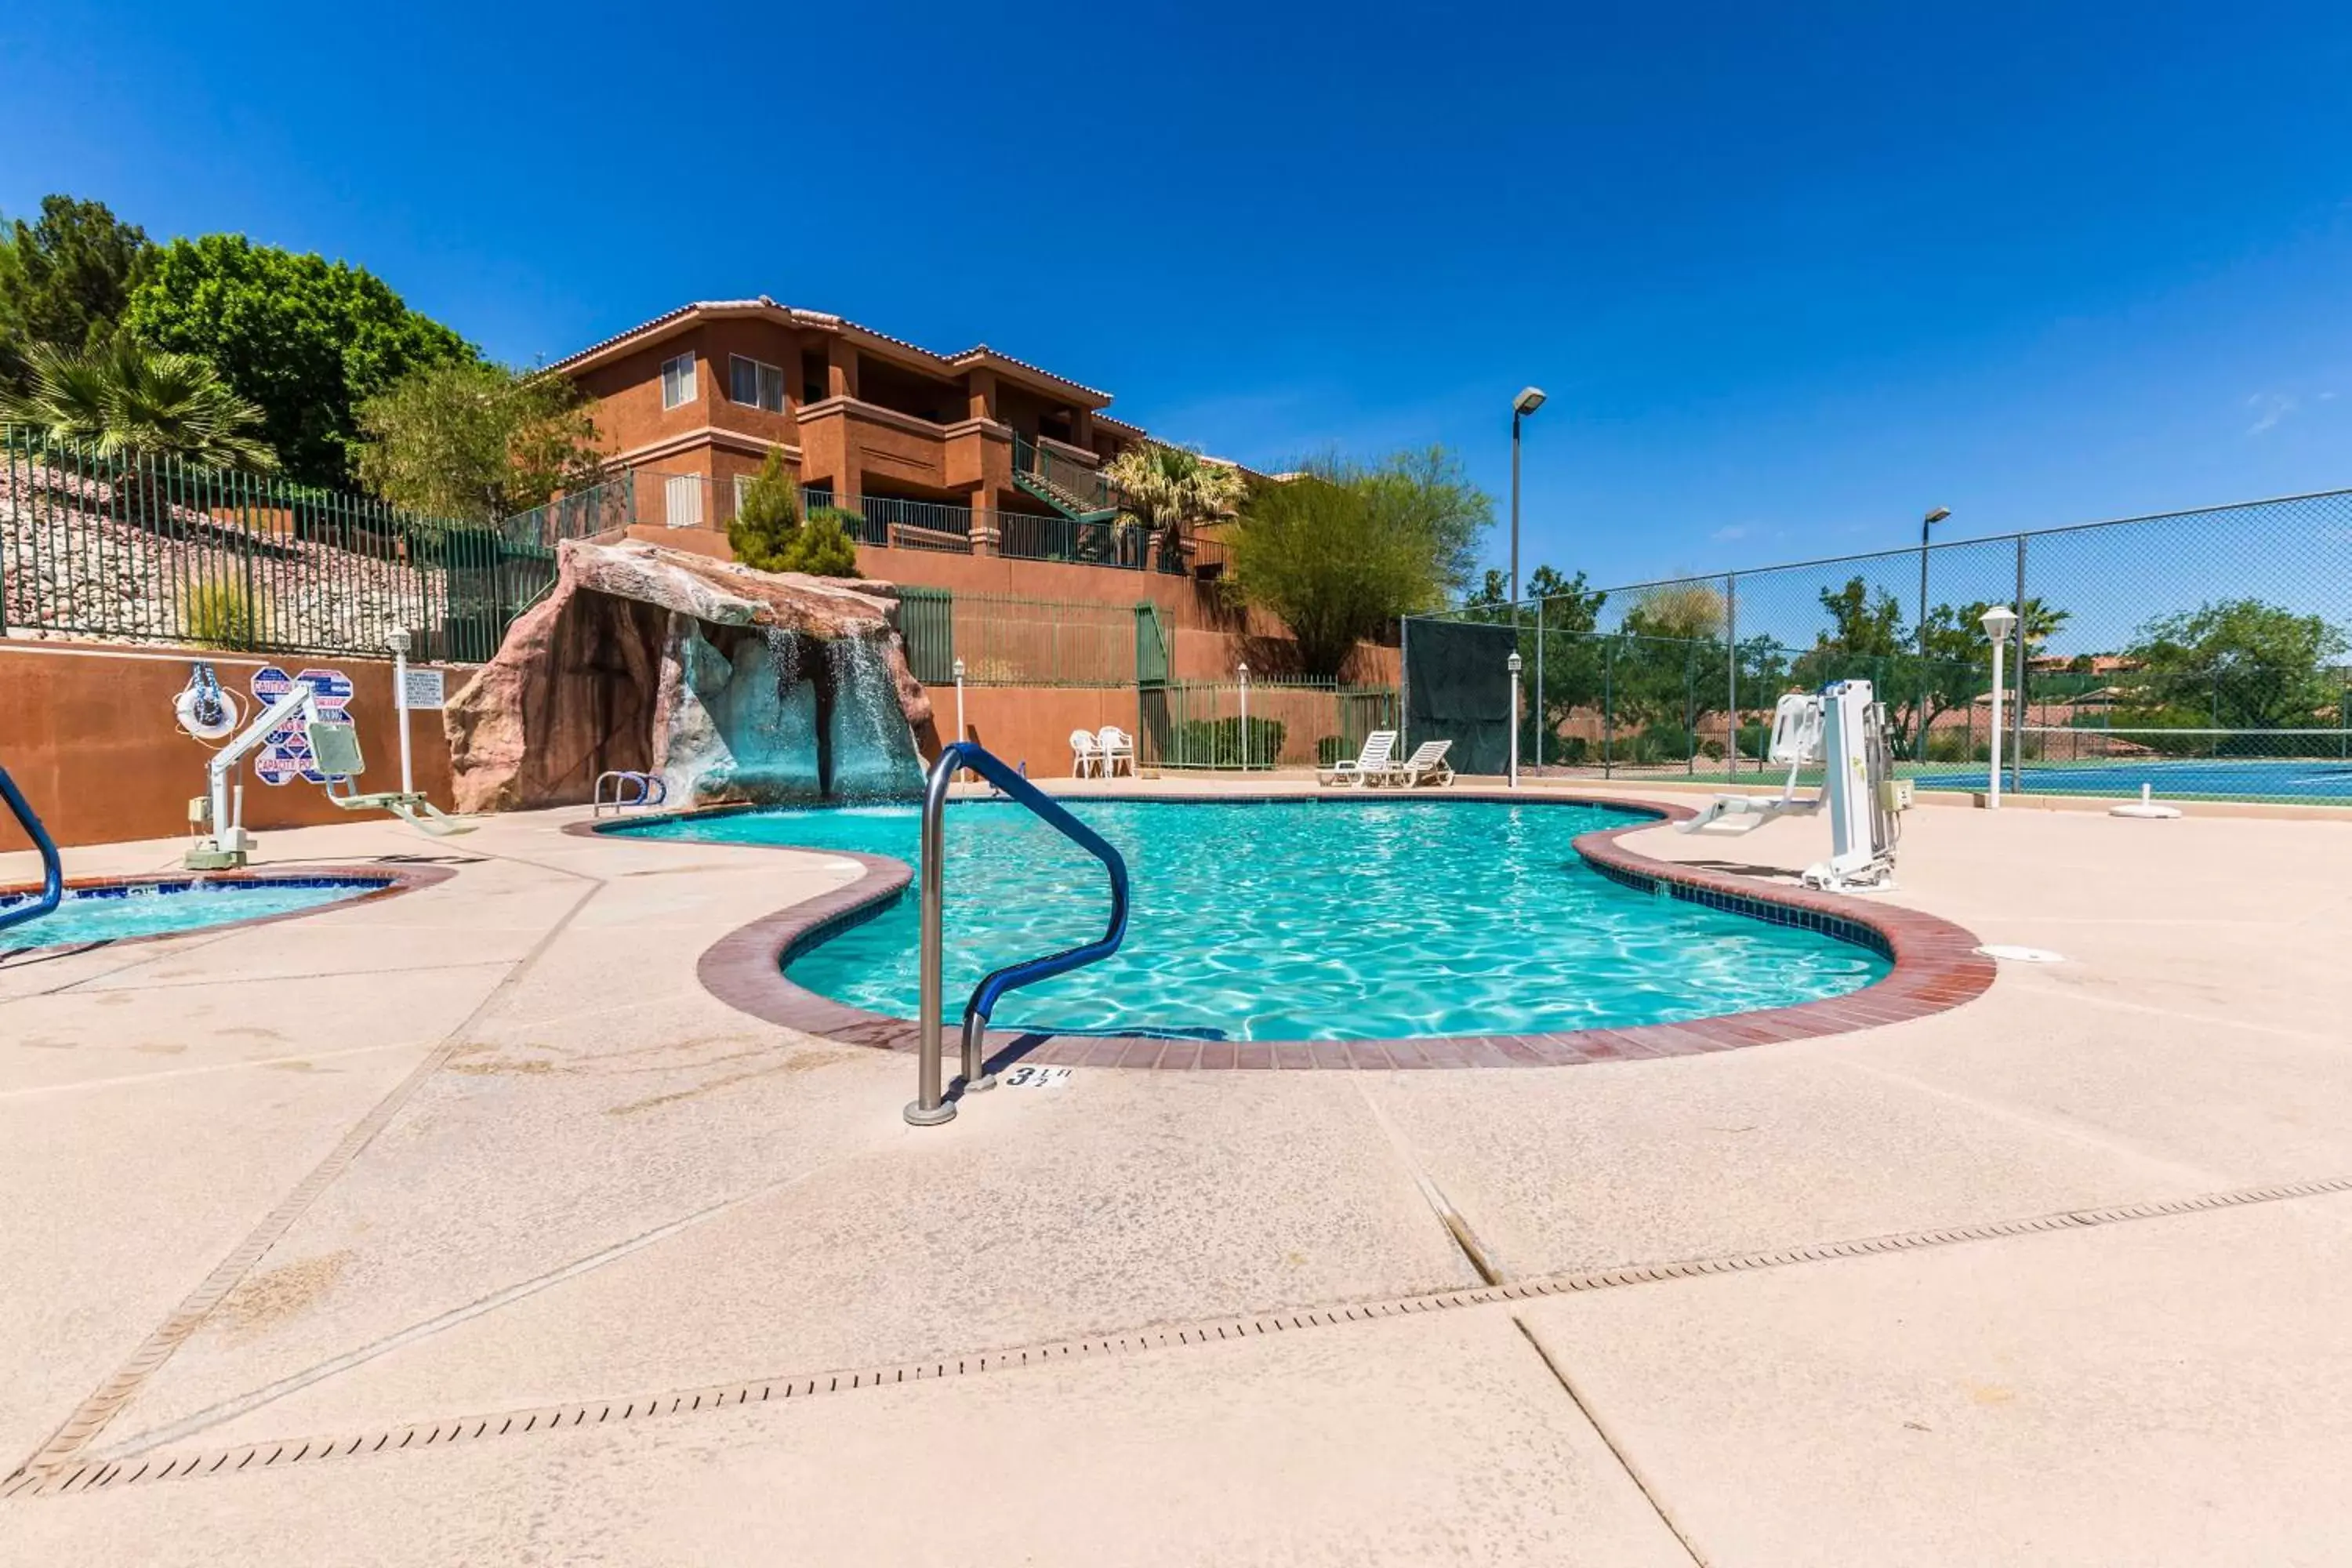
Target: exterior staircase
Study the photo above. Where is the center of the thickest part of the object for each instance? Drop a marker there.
(1071, 488)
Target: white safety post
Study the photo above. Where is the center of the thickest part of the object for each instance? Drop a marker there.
(397, 641)
(1997, 622)
(1514, 668)
(1244, 674)
(962, 733)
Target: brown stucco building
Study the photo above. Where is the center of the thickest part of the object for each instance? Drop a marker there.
(952, 451)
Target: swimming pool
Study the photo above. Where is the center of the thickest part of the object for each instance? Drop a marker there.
(1301, 919)
(120, 911)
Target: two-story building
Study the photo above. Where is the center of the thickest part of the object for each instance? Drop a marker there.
(970, 451)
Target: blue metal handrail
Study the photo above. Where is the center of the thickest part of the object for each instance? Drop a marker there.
(53, 871)
(929, 1106)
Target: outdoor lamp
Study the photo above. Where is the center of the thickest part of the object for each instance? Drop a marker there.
(1530, 399)
(1997, 622)
(396, 639)
(1515, 663)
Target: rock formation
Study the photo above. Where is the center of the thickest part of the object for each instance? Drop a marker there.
(716, 676)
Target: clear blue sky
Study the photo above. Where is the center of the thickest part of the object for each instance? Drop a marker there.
(1790, 274)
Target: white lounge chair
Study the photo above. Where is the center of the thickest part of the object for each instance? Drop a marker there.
(1086, 756)
(1117, 748)
(1379, 747)
(1426, 765)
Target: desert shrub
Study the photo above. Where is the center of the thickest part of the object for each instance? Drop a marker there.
(222, 614)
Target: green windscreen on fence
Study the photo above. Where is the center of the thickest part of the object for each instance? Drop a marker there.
(1457, 683)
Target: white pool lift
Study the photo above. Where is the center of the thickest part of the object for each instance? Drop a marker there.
(1843, 728)
(218, 814)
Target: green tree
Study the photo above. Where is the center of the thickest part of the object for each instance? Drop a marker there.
(1342, 550)
(307, 339)
(64, 279)
(476, 442)
(824, 548)
(131, 405)
(769, 534)
(767, 522)
(1171, 490)
(2234, 664)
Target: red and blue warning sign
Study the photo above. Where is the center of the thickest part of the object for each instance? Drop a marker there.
(285, 753)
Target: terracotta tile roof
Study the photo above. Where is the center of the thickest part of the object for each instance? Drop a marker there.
(821, 321)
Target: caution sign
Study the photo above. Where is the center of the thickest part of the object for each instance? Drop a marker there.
(285, 754)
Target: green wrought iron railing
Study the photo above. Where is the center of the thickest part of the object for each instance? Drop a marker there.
(155, 550)
(1260, 725)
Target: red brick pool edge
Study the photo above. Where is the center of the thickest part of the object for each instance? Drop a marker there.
(1935, 967)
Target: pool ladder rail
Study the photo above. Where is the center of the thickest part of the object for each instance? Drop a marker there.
(930, 1106)
(652, 790)
(53, 875)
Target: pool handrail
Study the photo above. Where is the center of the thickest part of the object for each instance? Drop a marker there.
(53, 872)
(930, 1107)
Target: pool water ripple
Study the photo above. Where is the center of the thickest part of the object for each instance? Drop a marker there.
(1303, 920)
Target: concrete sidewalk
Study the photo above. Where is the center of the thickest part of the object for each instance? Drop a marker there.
(554, 1257)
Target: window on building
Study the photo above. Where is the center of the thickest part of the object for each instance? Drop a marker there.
(678, 381)
(682, 501)
(742, 487)
(755, 383)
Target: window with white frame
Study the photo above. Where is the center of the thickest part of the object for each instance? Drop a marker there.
(755, 383)
(682, 501)
(742, 489)
(678, 381)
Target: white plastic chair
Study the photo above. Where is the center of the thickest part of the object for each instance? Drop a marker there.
(1379, 747)
(1427, 765)
(1085, 757)
(1115, 748)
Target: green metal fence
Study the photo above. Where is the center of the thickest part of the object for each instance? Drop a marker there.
(157, 550)
(1259, 725)
(1005, 639)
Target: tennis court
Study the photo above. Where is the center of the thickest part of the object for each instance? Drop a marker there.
(2118, 762)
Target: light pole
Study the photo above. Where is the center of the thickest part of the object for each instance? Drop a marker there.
(1997, 622)
(1244, 675)
(1935, 516)
(1530, 399)
(1513, 665)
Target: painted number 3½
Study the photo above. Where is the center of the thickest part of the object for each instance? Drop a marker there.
(1036, 1076)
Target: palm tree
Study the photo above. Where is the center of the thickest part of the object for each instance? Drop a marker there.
(1172, 490)
(133, 406)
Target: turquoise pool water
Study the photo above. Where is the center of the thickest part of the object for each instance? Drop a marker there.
(1301, 921)
(161, 908)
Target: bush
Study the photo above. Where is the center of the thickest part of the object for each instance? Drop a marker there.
(1662, 744)
(1572, 750)
(221, 616)
(1217, 743)
(826, 547)
(1755, 739)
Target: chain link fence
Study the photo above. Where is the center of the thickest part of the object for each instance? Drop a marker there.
(2202, 654)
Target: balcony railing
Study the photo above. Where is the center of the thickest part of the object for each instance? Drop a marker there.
(888, 522)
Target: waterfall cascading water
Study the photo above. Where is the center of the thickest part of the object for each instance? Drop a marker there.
(767, 718)
(869, 751)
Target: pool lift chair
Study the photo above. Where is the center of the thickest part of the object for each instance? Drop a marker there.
(219, 813)
(1843, 727)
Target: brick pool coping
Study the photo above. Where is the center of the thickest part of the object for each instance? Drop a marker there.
(397, 878)
(1935, 966)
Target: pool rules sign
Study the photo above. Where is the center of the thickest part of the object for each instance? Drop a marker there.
(285, 753)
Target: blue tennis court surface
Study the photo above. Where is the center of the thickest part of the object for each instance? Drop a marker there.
(2217, 778)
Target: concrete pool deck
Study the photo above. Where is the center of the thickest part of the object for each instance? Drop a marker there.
(466, 1226)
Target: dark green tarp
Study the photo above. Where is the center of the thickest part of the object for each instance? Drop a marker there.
(1457, 688)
